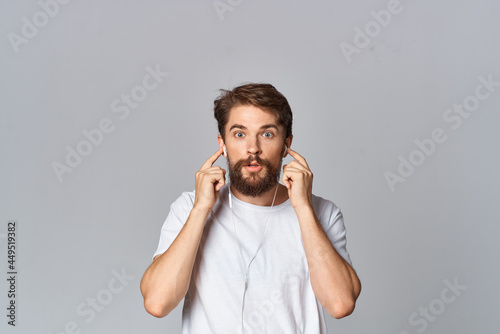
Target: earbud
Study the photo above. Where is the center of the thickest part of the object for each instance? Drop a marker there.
(286, 149)
(225, 152)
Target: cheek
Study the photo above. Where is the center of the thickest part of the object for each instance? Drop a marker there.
(279, 151)
(235, 148)
(276, 158)
(233, 159)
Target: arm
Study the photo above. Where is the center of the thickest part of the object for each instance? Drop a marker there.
(167, 279)
(333, 280)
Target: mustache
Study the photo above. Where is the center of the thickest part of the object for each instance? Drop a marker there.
(251, 158)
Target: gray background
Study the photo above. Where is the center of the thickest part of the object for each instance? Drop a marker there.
(353, 119)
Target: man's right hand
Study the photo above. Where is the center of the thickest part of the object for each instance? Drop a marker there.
(167, 279)
(209, 180)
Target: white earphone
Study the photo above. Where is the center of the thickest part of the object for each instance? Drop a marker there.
(286, 149)
(225, 152)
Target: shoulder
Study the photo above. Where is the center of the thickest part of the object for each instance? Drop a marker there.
(184, 202)
(324, 206)
(186, 199)
(327, 212)
(332, 220)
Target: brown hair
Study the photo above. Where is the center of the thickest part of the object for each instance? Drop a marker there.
(264, 96)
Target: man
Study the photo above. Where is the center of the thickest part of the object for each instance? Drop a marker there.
(254, 256)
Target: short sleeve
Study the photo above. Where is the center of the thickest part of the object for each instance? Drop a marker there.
(332, 220)
(179, 212)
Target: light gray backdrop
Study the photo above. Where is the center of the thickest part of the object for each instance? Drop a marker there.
(396, 110)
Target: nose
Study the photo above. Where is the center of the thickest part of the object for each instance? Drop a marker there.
(253, 146)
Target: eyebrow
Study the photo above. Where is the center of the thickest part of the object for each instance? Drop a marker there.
(263, 127)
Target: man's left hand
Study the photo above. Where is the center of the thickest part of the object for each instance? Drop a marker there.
(298, 178)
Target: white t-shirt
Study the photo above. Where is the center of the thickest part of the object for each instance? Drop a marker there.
(279, 297)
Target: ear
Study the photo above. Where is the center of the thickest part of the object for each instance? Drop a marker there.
(221, 141)
(288, 143)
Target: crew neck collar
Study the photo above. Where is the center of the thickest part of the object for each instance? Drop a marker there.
(225, 192)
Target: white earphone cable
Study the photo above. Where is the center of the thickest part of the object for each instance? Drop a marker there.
(256, 252)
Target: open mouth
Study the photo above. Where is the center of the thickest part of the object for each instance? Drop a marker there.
(253, 167)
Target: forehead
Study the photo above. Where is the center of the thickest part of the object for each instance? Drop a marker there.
(251, 117)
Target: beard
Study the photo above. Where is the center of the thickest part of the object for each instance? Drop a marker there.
(254, 185)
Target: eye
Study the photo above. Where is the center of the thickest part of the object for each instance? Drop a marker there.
(268, 134)
(239, 134)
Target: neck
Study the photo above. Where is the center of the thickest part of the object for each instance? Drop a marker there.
(265, 199)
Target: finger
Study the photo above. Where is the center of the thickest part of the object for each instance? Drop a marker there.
(287, 176)
(210, 161)
(221, 181)
(297, 165)
(208, 172)
(213, 174)
(295, 172)
(213, 169)
(298, 157)
(292, 169)
(286, 181)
